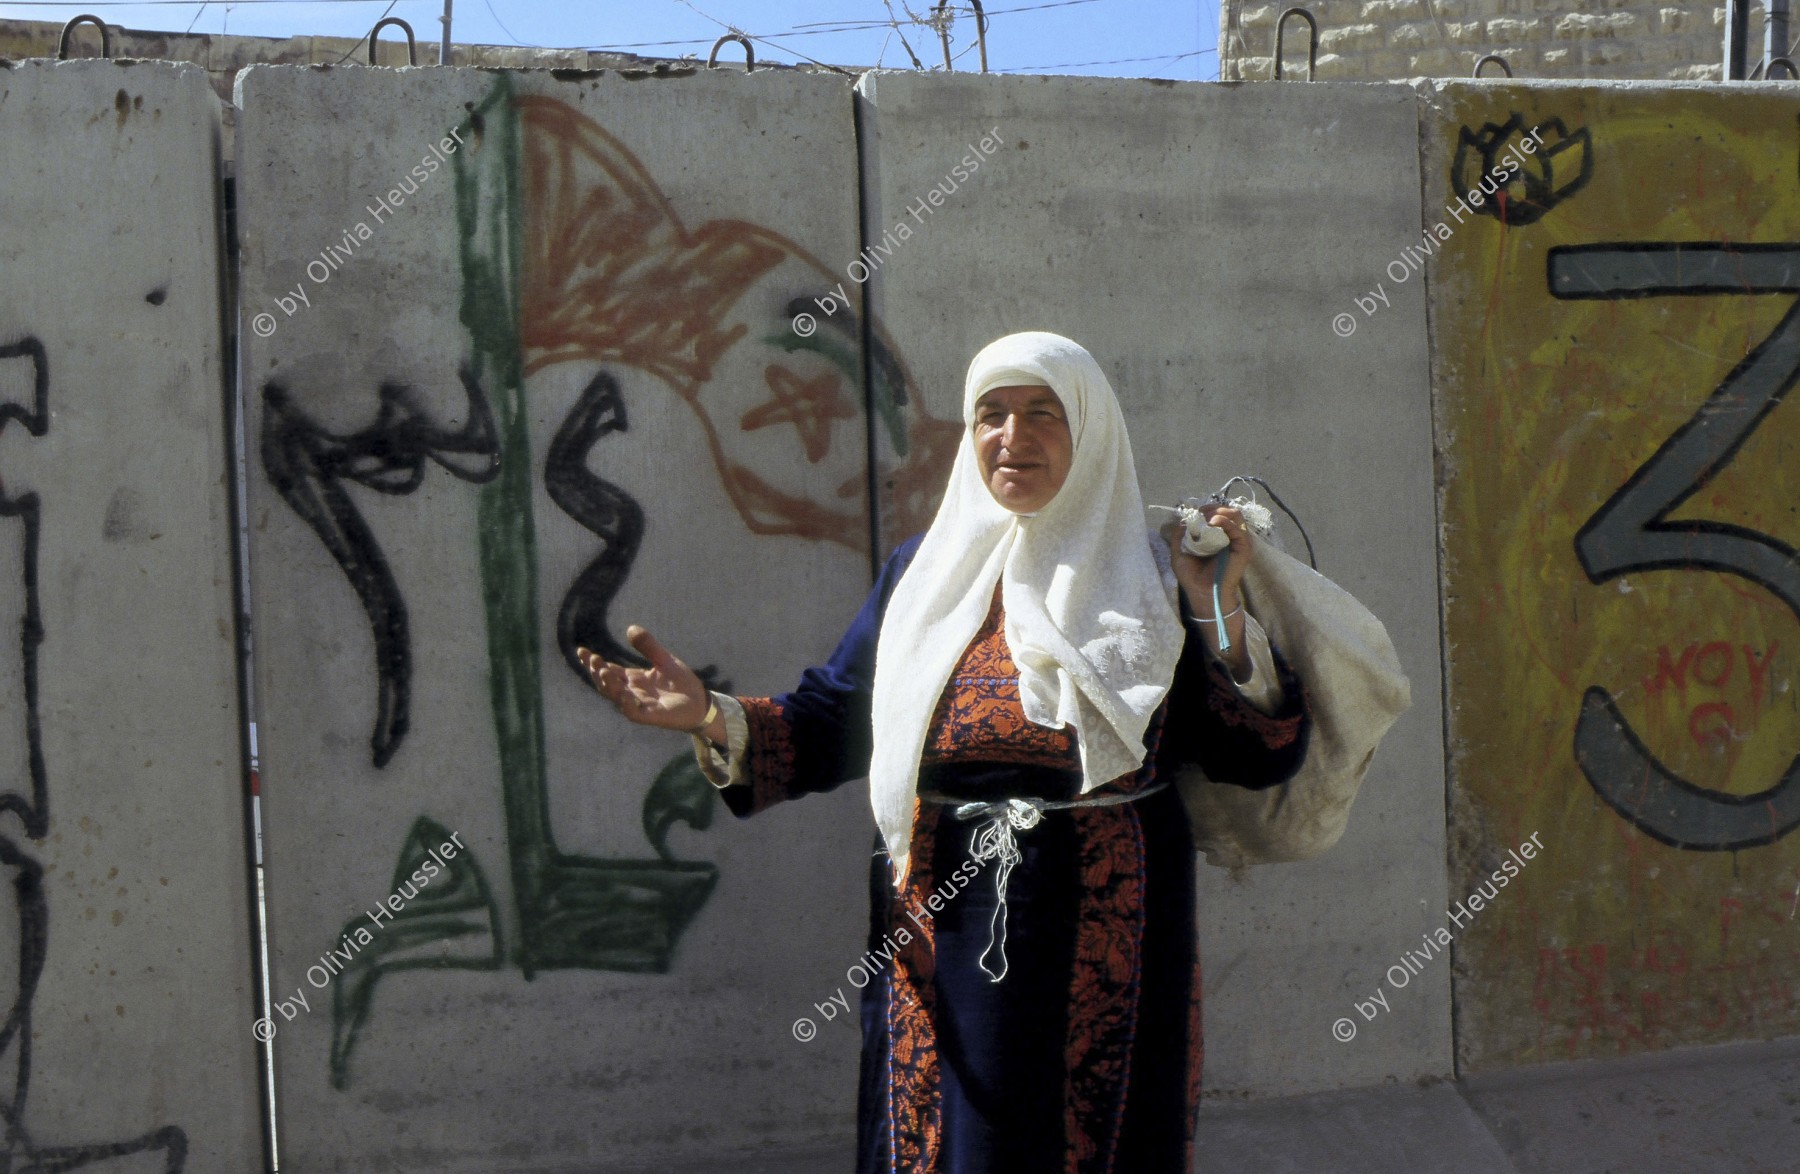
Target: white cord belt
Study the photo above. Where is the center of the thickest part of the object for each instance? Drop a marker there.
(994, 840)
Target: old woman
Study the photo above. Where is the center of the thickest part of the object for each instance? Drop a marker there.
(1020, 688)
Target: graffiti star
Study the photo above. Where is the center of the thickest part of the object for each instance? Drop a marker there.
(809, 405)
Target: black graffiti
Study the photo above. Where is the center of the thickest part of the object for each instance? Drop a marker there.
(1632, 530)
(607, 511)
(603, 508)
(307, 464)
(32, 809)
(20, 1150)
(1558, 165)
(1662, 803)
(34, 921)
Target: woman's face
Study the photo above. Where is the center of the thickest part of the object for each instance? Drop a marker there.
(1023, 446)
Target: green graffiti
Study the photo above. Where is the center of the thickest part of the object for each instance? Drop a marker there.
(573, 911)
(452, 923)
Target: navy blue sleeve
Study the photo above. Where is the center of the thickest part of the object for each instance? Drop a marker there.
(1209, 724)
(819, 736)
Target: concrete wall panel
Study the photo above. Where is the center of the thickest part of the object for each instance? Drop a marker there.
(1180, 234)
(1612, 354)
(126, 944)
(561, 388)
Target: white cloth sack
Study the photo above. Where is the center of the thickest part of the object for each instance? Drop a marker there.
(1354, 690)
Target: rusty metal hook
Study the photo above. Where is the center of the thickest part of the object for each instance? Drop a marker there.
(62, 49)
(1312, 42)
(981, 27)
(412, 46)
(1497, 60)
(712, 59)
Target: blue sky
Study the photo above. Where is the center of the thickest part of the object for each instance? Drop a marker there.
(1116, 38)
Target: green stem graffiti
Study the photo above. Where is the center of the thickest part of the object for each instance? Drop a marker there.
(573, 911)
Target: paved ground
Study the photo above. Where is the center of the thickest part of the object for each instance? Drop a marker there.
(1731, 1110)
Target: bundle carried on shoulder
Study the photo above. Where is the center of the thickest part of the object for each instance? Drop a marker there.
(1354, 690)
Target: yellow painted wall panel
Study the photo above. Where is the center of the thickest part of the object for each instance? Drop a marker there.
(1615, 332)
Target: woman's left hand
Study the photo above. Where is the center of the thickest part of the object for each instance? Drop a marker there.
(1195, 574)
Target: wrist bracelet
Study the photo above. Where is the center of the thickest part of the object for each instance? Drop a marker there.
(1219, 620)
(712, 715)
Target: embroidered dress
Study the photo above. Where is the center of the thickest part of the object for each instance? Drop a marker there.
(1086, 1057)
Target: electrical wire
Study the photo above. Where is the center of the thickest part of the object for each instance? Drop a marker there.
(365, 36)
(1200, 10)
(1443, 33)
(772, 40)
(158, 3)
(810, 28)
(894, 23)
(1038, 7)
(859, 25)
(502, 24)
(760, 40)
(1114, 61)
(1251, 478)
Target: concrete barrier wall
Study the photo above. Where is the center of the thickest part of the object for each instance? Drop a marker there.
(1611, 359)
(558, 390)
(126, 944)
(528, 357)
(1205, 277)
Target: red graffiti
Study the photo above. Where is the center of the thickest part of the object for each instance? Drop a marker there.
(1714, 722)
(810, 405)
(1669, 674)
(1703, 728)
(1658, 995)
(1720, 653)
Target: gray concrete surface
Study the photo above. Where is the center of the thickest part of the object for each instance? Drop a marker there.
(1734, 1107)
(1129, 216)
(1721, 1110)
(136, 1031)
(667, 223)
(1429, 1129)
(668, 230)
(1718, 1110)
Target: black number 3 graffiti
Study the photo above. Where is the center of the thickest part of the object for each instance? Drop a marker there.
(1631, 531)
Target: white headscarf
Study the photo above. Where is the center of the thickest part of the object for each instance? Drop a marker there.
(1090, 618)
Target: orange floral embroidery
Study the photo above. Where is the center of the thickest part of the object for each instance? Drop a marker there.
(1104, 984)
(1224, 700)
(915, 1114)
(769, 757)
(1196, 1060)
(979, 717)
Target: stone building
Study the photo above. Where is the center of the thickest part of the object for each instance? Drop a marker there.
(1371, 40)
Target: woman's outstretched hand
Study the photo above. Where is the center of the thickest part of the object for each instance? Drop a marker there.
(668, 695)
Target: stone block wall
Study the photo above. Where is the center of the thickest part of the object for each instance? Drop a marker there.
(1377, 40)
